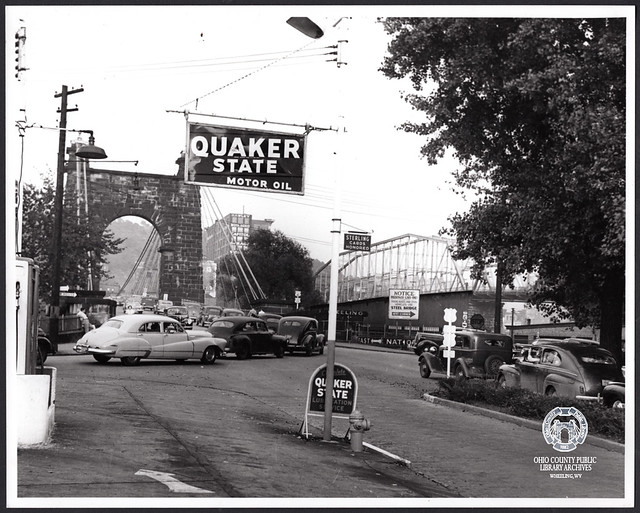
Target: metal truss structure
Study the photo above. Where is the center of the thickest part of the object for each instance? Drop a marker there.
(407, 262)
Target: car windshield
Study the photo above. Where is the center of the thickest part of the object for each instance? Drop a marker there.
(222, 324)
(494, 342)
(176, 311)
(113, 323)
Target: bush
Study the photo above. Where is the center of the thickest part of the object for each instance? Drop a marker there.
(603, 421)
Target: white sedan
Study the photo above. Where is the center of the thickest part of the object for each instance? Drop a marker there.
(133, 337)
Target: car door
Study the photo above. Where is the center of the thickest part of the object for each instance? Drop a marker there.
(263, 336)
(152, 333)
(529, 369)
(176, 341)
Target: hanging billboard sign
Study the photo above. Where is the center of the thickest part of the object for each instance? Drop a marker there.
(243, 158)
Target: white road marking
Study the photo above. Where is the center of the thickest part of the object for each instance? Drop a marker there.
(171, 482)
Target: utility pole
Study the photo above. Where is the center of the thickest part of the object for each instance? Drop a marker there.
(58, 212)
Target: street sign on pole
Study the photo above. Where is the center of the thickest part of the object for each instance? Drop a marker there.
(404, 304)
(357, 241)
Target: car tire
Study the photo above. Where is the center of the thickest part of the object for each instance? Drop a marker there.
(209, 356)
(492, 365)
(279, 351)
(100, 358)
(130, 361)
(550, 392)
(321, 348)
(243, 353)
(502, 381)
(425, 371)
(458, 372)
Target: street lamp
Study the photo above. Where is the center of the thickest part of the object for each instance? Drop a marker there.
(94, 152)
(310, 29)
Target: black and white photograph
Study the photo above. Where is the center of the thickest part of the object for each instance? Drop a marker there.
(320, 256)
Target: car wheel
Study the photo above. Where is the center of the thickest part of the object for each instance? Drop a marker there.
(279, 351)
(308, 351)
(425, 371)
(550, 392)
(492, 365)
(618, 404)
(43, 352)
(459, 372)
(502, 381)
(209, 356)
(130, 361)
(321, 348)
(242, 353)
(100, 358)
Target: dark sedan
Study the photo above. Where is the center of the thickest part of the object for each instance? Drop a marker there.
(247, 336)
(569, 368)
(301, 334)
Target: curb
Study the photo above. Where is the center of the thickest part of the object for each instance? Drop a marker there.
(531, 424)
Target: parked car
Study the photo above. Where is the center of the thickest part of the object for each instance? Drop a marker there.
(162, 305)
(148, 303)
(301, 334)
(232, 312)
(45, 347)
(477, 354)
(133, 337)
(208, 314)
(578, 369)
(271, 319)
(181, 314)
(247, 336)
(425, 341)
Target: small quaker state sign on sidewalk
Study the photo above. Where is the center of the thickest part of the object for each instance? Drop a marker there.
(345, 393)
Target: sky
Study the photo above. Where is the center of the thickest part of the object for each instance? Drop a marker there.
(137, 63)
(142, 67)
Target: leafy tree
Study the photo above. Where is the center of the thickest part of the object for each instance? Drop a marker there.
(83, 246)
(280, 266)
(534, 110)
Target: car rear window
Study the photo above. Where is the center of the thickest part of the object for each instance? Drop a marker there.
(494, 343)
(113, 323)
(598, 359)
(222, 324)
(291, 323)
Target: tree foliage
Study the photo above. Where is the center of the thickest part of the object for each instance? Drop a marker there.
(534, 110)
(281, 266)
(84, 247)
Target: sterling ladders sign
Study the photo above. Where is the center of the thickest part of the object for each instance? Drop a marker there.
(404, 304)
(243, 158)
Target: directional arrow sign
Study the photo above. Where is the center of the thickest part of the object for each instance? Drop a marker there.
(171, 482)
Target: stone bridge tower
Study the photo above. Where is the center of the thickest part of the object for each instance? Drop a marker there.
(173, 209)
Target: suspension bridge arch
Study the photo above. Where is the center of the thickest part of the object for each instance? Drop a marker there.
(173, 209)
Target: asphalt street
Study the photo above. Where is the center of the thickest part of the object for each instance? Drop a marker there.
(108, 444)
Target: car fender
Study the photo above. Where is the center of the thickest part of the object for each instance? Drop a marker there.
(236, 342)
(433, 362)
(320, 339)
(564, 385)
(613, 392)
(133, 346)
(307, 340)
(511, 375)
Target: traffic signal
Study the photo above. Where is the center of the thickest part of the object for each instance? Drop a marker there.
(21, 37)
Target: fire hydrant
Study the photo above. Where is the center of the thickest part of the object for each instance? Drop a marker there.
(358, 426)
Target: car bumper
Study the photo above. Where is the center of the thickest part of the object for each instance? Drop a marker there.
(85, 349)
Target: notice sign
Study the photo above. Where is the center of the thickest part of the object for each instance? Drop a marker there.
(357, 242)
(404, 304)
(242, 158)
(345, 390)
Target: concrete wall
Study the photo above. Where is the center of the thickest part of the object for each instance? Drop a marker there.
(33, 409)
